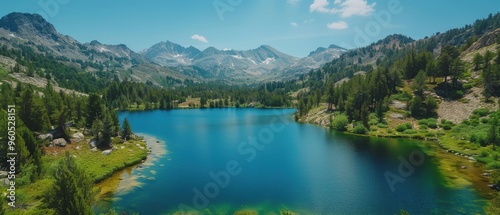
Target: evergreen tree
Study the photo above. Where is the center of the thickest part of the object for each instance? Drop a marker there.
(115, 123)
(32, 146)
(203, 102)
(330, 96)
(72, 192)
(478, 61)
(493, 133)
(127, 130)
(419, 83)
(97, 127)
(3, 210)
(448, 55)
(94, 108)
(107, 133)
(416, 106)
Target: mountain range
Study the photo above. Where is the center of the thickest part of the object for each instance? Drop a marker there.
(164, 59)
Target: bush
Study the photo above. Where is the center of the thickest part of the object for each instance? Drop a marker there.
(432, 125)
(373, 122)
(481, 112)
(474, 122)
(484, 120)
(381, 125)
(423, 127)
(340, 122)
(430, 134)
(403, 96)
(410, 131)
(403, 127)
(422, 122)
(360, 129)
(483, 153)
(446, 126)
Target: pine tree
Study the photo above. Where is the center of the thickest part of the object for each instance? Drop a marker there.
(330, 96)
(478, 61)
(32, 147)
(127, 130)
(72, 192)
(115, 123)
(94, 108)
(3, 211)
(106, 133)
(492, 134)
(419, 83)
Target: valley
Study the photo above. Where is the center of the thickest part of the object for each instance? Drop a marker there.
(81, 109)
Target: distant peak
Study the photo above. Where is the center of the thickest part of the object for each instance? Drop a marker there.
(335, 47)
(26, 23)
(94, 43)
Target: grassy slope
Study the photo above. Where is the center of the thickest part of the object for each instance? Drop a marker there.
(97, 165)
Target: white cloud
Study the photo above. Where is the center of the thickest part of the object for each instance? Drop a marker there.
(199, 38)
(293, 2)
(346, 8)
(308, 20)
(340, 25)
(294, 24)
(320, 6)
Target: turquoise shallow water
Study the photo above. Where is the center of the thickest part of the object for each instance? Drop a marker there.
(223, 160)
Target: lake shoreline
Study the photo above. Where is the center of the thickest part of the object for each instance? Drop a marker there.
(448, 160)
(122, 180)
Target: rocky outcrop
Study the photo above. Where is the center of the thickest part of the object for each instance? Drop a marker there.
(61, 142)
(78, 136)
(486, 40)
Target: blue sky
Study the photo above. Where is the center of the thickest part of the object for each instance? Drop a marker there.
(295, 27)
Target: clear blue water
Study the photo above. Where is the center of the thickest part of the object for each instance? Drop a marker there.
(272, 163)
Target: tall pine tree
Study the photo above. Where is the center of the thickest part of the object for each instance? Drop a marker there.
(72, 192)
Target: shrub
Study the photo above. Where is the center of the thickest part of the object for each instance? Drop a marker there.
(481, 112)
(474, 122)
(340, 122)
(403, 127)
(423, 127)
(381, 125)
(410, 131)
(484, 120)
(373, 122)
(422, 122)
(483, 153)
(360, 129)
(446, 126)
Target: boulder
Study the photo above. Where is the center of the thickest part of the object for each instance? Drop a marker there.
(77, 136)
(106, 152)
(3, 174)
(4, 182)
(45, 136)
(396, 116)
(92, 144)
(93, 149)
(61, 142)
